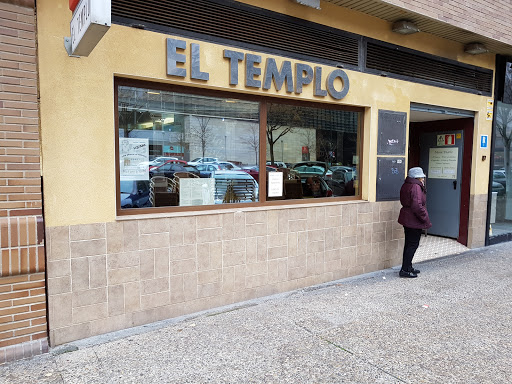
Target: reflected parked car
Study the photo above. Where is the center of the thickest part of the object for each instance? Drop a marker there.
(498, 187)
(207, 170)
(172, 161)
(204, 160)
(500, 177)
(254, 171)
(228, 166)
(134, 193)
(168, 170)
(156, 162)
(313, 172)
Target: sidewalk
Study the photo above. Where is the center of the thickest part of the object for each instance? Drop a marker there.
(451, 325)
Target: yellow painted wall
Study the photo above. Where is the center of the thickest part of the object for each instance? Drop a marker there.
(77, 101)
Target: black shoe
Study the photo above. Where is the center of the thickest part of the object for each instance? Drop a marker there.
(414, 270)
(407, 274)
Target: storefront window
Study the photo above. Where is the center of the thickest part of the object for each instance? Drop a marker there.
(187, 149)
(501, 189)
(181, 149)
(316, 150)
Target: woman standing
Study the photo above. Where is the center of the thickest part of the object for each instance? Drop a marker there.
(413, 216)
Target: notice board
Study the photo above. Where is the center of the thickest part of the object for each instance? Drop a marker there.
(392, 133)
(390, 177)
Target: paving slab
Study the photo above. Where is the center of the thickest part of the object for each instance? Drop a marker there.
(450, 325)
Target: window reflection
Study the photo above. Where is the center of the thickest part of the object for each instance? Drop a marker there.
(182, 133)
(179, 149)
(315, 148)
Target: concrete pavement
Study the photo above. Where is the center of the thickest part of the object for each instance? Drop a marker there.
(453, 324)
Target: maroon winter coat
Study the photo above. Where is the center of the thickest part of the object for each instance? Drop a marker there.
(413, 199)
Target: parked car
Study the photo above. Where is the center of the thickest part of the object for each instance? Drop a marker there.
(228, 166)
(134, 193)
(172, 161)
(204, 160)
(314, 172)
(156, 161)
(254, 171)
(192, 169)
(207, 170)
(278, 164)
(498, 187)
(244, 187)
(500, 177)
(168, 170)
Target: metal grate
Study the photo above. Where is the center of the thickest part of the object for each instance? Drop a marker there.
(237, 23)
(429, 69)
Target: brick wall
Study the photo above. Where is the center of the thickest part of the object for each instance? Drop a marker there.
(487, 18)
(23, 329)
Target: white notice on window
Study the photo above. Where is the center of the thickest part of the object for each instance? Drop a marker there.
(197, 191)
(132, 152)
(442, 163)
(275, 184)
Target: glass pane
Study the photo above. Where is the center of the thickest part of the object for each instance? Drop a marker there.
(501, 195)
(166, 138)
(316, 150)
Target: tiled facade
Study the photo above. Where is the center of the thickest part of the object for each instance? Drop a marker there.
(109, 276)
(23, 326)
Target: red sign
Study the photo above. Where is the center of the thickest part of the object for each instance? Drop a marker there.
(73, 4)
(305, 150)
(449, 140)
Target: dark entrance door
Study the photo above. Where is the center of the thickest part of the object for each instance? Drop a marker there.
(437, 187)
(441, 160)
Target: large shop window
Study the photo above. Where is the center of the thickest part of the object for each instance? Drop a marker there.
(184, 149)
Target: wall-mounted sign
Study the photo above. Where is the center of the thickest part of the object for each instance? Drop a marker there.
(445, 140)
(484, 140)
(133, 152)
(91, 20)
(442, 163)
(259, 74)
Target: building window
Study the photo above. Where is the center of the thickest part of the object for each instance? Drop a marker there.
(177, 148)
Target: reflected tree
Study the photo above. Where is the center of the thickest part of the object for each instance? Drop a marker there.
(252, 140)
(281, 119)
(203, 133)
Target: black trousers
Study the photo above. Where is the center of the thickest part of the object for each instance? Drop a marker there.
(412, 241)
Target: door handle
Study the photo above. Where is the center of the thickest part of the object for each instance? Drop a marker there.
(454, 184)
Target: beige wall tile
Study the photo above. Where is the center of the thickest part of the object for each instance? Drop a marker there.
(58, 285)
(90, 312)
(131, 235)
(116, 300)
(87, 232)
(89, 297)
(80, 274)
(147, 264)
(123, 275)
(155, 240)
(88, 248)
(150, 226)
(190, 286)
(235, 258)
(179, 267)
(132, 297)
(122, 260)
(59, 268)
(162, 262)
(177, 294)
(154, 286)
(58, 243)
(98, 271)
(60, 310)
(209, 290)
(208, 277)
(115, 239)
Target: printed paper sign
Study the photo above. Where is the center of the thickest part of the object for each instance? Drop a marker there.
(275, 184)
(132, 152)
(442, 163)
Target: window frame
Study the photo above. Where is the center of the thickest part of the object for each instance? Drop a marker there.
(263, 104)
